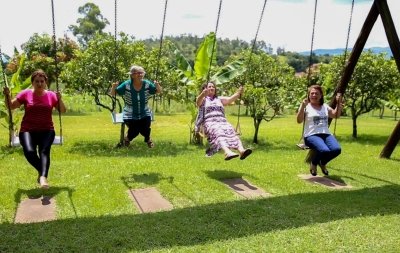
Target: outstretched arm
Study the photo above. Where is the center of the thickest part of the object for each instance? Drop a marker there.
(234, 97)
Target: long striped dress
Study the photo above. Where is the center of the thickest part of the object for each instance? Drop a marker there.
(218, 130)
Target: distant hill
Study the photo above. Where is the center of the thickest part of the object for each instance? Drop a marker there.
(338, 51)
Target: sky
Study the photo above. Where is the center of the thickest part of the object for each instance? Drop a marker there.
(286, 23)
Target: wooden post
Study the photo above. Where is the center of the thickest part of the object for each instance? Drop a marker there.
(394, 43)
(356, 52)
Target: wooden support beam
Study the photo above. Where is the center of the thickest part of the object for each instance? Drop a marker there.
(356, 52)
(394, 43)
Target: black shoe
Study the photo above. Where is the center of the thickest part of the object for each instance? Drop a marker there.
(313, 169)
(324, 170)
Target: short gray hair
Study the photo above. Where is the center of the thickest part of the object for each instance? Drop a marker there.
(135, 68)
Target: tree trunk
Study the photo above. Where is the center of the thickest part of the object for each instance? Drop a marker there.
(381, 112)
(121, 135)
(354, 118)
(257, 123)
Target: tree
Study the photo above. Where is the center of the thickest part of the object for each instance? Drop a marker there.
(39, 54)
(106, 61)
(91, 23)
(374, 79)
(267, 81)
(201, 71)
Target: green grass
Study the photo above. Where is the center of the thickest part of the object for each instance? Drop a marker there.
(89, 179)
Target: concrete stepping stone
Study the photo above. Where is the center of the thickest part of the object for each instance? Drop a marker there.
(149, 200)
(33, 210)
(325, 181)
(244, 188)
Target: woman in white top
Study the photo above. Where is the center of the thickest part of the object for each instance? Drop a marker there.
(316, 129)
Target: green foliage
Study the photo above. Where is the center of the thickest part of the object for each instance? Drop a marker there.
(90, 24)
(374, 78)
(267, 87)
(39, 54)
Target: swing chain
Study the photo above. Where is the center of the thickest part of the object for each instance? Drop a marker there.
(312, 44)
(56, 66)
(215, 41)
(253, 47)
(160, 52)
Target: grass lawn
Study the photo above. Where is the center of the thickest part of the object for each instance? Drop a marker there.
(89, 179)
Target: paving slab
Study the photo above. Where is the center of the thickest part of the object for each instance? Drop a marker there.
(325, 181)
(33, 210)
(149, 200)
(244, 188)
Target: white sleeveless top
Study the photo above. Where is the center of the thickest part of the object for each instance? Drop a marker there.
(316, 121)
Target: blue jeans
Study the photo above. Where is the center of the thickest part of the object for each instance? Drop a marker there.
(326, 147)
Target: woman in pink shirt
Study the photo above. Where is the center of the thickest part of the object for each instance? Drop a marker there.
(37, 129)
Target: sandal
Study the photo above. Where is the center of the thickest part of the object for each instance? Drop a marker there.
(150, 144)
(230, 156)
(245, 154)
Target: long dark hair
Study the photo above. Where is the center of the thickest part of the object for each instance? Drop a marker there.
(318, 88)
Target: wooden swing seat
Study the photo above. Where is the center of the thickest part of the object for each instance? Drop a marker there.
(58, 140)
(117, 118)
(302, 146)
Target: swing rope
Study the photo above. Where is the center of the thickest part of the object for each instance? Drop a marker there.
(237, 129)
(215, 41)
(114, 98)
(202, 134)
(300, 144)
(345, 53)
(160, 50)
(8, 101)
(56, 68)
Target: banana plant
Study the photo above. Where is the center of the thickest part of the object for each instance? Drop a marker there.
(200, 72)
(204, 65)
(16, 85)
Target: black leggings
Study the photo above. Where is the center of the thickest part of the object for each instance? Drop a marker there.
(37, 147)
(141, 126)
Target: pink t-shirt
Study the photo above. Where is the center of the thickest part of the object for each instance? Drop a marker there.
(38, 110)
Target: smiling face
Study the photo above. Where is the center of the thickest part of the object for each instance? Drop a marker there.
(39, 81)
(211, 89)
(315, 95)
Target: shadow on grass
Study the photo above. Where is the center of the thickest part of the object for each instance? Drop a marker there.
(365, 139)
(199, 225)
(148, 179)
(225, 174)
(6, 151)
(137, 148)
(151, 179)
